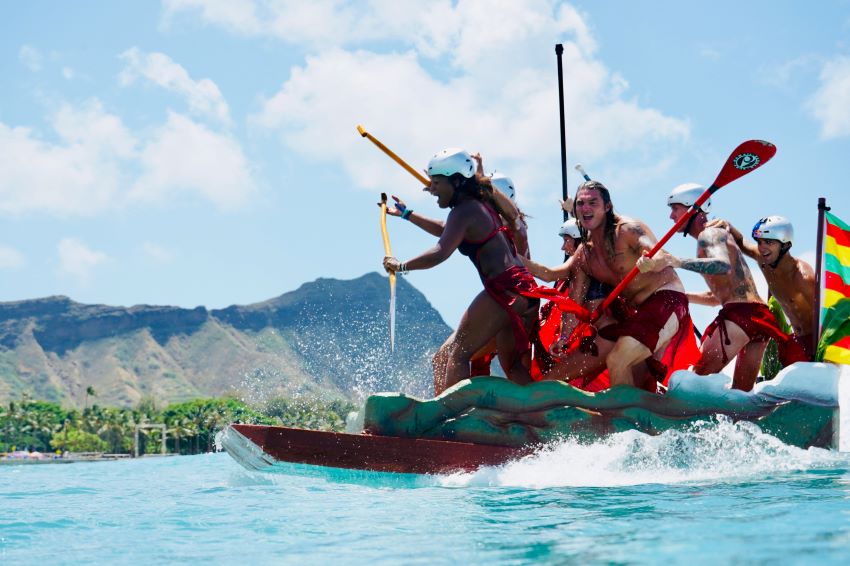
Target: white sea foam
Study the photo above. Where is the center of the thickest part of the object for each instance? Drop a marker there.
(708, 451)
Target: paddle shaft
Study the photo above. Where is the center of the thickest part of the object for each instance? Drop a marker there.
(634, 271)
(580, 169)
(559, 51)
(394, 157)
(747, 157)
(388, 252)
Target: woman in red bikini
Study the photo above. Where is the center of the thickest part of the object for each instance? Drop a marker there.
(507, 308)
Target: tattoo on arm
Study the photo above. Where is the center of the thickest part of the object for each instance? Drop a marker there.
(712, 243)
(641, 240)
(706, 266)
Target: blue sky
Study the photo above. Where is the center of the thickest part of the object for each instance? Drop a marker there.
(195, 152)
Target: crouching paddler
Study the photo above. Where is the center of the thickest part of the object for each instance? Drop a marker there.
(611, 247)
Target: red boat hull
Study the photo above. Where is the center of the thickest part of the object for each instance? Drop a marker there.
(368, 452)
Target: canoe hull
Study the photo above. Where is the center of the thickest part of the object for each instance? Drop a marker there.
(258, 447)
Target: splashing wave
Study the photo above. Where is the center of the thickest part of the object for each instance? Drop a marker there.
(706, 451)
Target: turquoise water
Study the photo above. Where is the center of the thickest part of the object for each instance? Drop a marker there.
(722, 492)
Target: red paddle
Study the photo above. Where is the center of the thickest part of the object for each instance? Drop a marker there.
(747, 157)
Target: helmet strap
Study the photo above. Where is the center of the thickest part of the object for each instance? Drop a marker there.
(690, 222)
(782, 251)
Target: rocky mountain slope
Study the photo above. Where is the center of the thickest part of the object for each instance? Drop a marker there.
(329, 338)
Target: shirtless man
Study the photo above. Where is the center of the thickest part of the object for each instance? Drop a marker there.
(744, 323)
(790, 280)
(612, 245)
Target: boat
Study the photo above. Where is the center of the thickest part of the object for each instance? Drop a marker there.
(259, 447)
(489, 421)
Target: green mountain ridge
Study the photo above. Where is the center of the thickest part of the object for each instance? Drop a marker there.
(326, 339)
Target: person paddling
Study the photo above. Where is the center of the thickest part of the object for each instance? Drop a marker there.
(505, 310)
(744, 323)
(579, 367)
(789, 279)
(611, 245)
(481, 361)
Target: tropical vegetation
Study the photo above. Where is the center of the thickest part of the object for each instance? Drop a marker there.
(190, 427)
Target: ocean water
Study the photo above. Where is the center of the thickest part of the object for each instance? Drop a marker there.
(718, 493)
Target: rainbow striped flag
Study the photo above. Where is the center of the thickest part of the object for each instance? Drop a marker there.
(835, 293)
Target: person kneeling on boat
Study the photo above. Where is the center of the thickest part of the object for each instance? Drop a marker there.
(507, 309)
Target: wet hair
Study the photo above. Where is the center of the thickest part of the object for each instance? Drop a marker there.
(611, 218)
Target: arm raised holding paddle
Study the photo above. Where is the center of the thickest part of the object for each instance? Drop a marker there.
(661, 304)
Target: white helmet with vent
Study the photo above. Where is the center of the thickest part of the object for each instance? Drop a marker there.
(450, 161)
(687, 194)
(504, 184)
(570, 228)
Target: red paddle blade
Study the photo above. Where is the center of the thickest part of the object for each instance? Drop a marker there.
(747, 157)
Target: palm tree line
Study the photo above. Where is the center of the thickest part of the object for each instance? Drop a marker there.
(28, 424)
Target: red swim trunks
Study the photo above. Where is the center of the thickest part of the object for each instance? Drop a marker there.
(650, 317)
(759, 324)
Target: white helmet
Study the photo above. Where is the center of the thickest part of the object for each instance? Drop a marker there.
(687, 194)
(774, 228)
(450, 161)
(504, 184)
(569, 228)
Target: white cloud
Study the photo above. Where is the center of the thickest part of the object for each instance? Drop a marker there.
(236, 15)
(829, 104)
(68, 73)
(79, 174)
(184, 156)
(96, 164)
(10, 258)
(475, 74)
(203, 96)
(30, 57)
(156, 253)
(77, 260)
(513, 123)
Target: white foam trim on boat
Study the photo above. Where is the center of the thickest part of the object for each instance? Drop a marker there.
(843, 429)
(244, 451)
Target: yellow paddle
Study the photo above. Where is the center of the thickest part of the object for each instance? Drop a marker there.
(393, 156)
(388, 252)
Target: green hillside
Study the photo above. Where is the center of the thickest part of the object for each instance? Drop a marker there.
(327, 339)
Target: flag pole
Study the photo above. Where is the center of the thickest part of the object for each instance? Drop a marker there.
(822, 208)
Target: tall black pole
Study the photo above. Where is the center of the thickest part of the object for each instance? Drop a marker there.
(822, 208)
(559, 50)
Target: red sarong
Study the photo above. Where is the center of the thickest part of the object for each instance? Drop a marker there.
(759, 324)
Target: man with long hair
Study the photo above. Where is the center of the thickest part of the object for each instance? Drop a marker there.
(611, 246)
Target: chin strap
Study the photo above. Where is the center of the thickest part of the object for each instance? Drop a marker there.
(690, 222)
(782, 251)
